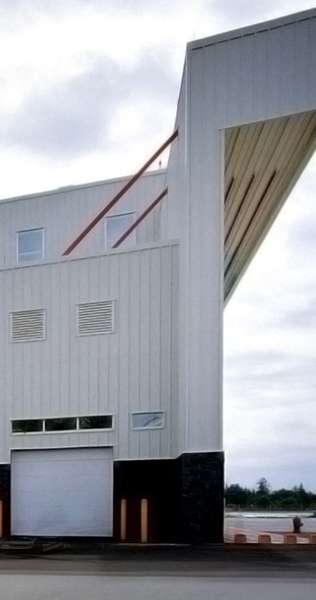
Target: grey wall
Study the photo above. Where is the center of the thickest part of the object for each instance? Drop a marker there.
(261, 72)
(134, 368)
(66, 212)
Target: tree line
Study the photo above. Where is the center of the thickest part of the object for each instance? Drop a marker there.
(263, 497)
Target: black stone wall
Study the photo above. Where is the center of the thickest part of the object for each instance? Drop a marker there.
(154, 480)
(5, 496)
(185, 497)
(201, 495)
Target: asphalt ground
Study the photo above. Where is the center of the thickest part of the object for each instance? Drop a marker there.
(158, 573)
(188, 561)
(151, 587)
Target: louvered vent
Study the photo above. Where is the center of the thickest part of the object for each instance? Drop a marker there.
(28, 325)
(95, 318)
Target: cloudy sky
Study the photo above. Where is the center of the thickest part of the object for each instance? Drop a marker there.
(88, 91)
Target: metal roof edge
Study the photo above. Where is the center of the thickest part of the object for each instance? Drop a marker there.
(252, 29)
(79, 186)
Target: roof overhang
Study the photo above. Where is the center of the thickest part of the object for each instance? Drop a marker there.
(262, 164)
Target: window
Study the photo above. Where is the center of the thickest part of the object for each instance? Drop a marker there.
(63, 424)
(148, 420)
(115, 227)
(99, 422)
(27, 426)
(30, 245)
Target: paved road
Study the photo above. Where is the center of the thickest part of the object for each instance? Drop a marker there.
(239, 577)
(128, 587)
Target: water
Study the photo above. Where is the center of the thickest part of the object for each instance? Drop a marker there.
(253, 523)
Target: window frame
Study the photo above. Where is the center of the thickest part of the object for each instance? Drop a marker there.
(34, 432)
(148, 412)
(131, 238)
(44, 431)
(87, 429)
(21, 231)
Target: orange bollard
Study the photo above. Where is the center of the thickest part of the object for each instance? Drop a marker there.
(144, 521)
(290, 538)
(123, 520)
(264, 538)
(312, 538)
(240, 538)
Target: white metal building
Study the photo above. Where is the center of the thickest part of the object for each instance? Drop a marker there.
(111, 357)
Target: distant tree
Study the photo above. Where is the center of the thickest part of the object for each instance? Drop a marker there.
(263, 487)
(289, 502)
(235, 494)
(239, 496)
(263, 502)
(303, 496)
(263, 498)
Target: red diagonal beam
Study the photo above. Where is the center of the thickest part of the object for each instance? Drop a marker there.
(140, 218)
(119, 195)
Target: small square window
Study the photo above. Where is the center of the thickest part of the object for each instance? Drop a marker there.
(30, 245)
(116, 226)
(148, 420)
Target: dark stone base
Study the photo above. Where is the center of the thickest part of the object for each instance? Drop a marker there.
(5, 494)
(185, 498)
(201, 497)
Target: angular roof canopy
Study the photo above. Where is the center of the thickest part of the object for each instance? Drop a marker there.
(258, 85)
(262, 163)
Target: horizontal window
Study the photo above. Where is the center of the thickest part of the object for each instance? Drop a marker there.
(30, 245)
(99, 422)
(148, 420)
(27, 426)
(62, 424)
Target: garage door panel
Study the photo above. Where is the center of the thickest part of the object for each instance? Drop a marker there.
(62, 492)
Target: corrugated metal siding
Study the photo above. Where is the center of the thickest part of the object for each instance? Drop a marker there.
(174, 224)
(247, 77)
(65, 213)
(132, 369)
(171, 208)
(260, 74)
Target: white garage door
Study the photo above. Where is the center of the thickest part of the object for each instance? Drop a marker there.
(62, 492)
